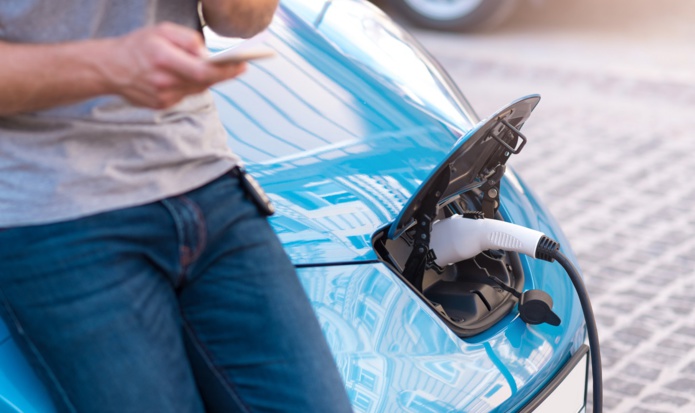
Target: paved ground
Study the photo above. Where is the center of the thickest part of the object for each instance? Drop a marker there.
(611, 152)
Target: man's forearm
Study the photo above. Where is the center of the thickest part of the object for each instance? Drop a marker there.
(34, 77)
(154, 67)
(238, 18)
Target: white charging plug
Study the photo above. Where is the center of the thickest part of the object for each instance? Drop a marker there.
(457, 238)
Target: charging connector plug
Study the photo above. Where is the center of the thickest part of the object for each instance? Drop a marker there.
(457, 238)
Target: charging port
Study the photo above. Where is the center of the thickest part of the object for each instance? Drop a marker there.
(466, 295)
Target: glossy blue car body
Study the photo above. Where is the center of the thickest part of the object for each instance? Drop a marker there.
(341, 128)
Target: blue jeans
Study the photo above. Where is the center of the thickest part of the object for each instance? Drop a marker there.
(184, 305)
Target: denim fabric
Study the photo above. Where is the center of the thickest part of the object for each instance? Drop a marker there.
(184, 305)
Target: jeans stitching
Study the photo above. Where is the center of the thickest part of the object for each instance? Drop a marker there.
(183, 249)
(209, 360)
(200, 227)
(35, 351)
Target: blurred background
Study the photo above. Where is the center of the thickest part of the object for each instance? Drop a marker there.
(611, 151)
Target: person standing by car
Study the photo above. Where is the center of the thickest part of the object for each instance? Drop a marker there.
(136, 273)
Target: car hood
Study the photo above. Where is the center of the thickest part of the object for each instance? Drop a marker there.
(335, 133)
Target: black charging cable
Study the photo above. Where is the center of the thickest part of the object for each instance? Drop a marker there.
(549, 250)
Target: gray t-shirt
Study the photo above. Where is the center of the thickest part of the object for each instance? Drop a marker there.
(101, 154)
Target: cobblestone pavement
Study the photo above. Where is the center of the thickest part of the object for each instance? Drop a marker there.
(611, 153)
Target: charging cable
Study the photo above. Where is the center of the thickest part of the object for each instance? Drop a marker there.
(491, 234)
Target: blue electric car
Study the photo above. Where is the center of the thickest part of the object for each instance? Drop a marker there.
(366, 147)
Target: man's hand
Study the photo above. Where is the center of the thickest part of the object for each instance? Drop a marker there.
(158, 66)
(154, 67)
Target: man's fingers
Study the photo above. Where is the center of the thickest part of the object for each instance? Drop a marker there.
(171, 58)
(188, 39)
(185, 57)
(194, 69)
(229, 71)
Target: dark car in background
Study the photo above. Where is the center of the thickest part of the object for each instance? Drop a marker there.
(455, 15)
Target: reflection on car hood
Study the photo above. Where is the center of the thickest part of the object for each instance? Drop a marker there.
(339, 146)
(396, 355)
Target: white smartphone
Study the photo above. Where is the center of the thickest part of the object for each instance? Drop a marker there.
(241, 54)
